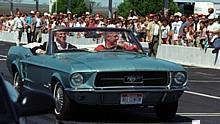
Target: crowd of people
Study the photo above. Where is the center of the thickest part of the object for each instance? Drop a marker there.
(195, 30)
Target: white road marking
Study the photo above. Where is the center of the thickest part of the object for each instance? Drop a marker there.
(204, 95)
(206, 74)
(200, 114)
(203, 81)
(2, 59)
(192, 67)
(3, 56)
(187, 67)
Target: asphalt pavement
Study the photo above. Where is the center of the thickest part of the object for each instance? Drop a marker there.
(198, 105)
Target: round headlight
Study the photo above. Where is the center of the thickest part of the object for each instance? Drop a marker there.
(180, 78)
(77, 79)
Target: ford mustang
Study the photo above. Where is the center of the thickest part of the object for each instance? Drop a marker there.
(123, 76)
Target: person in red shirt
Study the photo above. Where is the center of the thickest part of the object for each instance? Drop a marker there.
(112, 42)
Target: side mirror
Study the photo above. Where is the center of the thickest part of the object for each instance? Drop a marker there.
(216, 45)
(34, 102)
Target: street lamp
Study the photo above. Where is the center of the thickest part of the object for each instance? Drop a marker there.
(11, 7)
(37, 4)
(91, 6)
(68, 6)
(110, 9)
(166, 6)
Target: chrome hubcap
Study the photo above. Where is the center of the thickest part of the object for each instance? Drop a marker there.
(59, 100)
(17, 82)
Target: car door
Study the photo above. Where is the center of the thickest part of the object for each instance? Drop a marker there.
(33, 68)
(38, 70)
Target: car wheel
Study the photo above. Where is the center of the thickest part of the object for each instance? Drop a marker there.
(62, 103)
(17, 82)
(166, 111)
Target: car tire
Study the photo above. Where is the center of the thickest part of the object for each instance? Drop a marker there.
(17, 82)
(166, 111)
(63, 106)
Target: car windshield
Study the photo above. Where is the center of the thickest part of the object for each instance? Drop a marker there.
(95, 41)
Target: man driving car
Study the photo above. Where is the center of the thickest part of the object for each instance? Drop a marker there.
(112, 42)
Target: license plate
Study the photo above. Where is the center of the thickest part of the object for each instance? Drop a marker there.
(131, 98)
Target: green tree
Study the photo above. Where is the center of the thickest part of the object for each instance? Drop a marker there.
(144, 7)
(77, 6)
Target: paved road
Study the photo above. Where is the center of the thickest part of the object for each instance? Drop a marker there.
(200, 103)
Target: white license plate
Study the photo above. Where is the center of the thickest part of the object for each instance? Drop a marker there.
(131, 98)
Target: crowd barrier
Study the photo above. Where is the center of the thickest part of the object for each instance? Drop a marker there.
(12, 37)
(192, 56)
(179, 54)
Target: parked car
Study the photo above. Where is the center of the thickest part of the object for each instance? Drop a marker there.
(15, 106)
(93, 75)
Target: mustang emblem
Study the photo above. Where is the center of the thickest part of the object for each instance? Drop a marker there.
(133, 79)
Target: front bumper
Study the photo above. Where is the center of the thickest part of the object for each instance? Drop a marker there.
(113, 96)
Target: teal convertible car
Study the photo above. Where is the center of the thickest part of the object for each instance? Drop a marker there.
(106, 67)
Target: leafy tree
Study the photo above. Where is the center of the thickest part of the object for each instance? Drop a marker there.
(144, 7)
(77, 6)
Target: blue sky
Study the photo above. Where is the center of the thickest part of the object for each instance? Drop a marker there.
(103, 2)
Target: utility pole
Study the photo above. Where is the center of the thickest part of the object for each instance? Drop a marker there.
(91, 6)
(68, 6)
(37, 5)
(11, 7)
(166, 6)
(110, 9)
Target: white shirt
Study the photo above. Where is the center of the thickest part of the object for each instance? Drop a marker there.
(18, 22)
(111, 26)
(38, 22)
(176, 28)
(59, 47)
(164, 31)
(215, 26)
(156, 30)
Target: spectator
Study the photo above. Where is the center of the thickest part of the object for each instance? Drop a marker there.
(156, 36)
(165, 29)
(29, 26)
(37, 24)
(18, 23)
(175, 29)
(202, 34)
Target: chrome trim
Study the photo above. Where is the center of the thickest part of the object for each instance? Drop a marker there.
(134, 87)
(133, 79)
(111, 79)
(123, 90)
(164, 97)
(145, 79)
(170, 79)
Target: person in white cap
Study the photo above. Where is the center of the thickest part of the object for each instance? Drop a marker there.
(175, 29)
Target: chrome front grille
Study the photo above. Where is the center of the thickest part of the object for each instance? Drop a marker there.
(140, 78)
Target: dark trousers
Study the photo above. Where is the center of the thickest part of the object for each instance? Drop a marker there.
(153, 46)
(29, 34)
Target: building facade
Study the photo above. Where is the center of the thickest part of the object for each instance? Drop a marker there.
(188, 6)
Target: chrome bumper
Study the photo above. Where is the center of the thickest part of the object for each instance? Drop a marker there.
(113, 96)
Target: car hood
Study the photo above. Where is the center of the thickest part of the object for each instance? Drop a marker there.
(117, 61)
